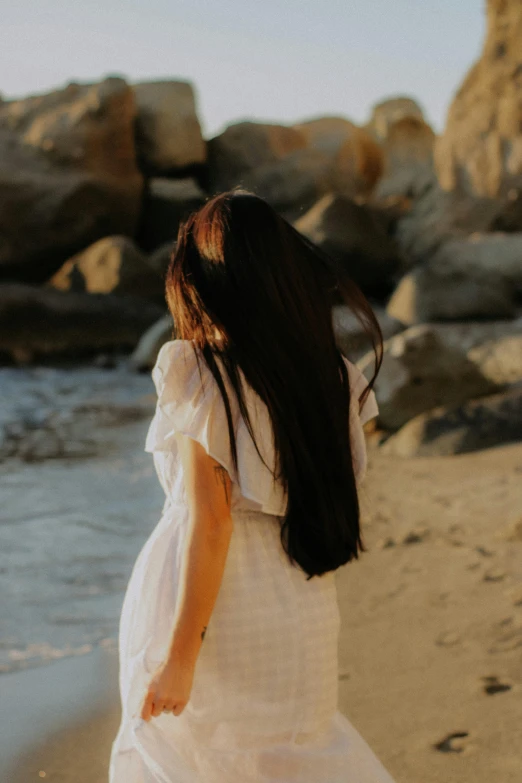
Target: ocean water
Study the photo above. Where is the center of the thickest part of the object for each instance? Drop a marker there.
(70, 531)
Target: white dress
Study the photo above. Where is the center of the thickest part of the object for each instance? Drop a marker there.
(263, 706)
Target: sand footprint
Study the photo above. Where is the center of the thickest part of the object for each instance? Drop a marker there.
(507, 641)
(493, 685)
(494, 575)
(452, 743)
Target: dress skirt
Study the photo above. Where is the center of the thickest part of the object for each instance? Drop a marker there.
(264, 701)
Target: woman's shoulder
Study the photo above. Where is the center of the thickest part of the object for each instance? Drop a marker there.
(173, 351)
(178, 370)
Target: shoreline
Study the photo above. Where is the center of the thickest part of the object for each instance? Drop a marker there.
(68, 729)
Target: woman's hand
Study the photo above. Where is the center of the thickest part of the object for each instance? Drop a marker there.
(169, 689)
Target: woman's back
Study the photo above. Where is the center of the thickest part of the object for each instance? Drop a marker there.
(189, 399)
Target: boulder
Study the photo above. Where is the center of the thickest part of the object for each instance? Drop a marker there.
(358, 166)
(68, 175)
(246, 146)
(292, 166)
(420, 372)
(166, 203)
(160, 259)
(356, 159)
(390, 111)
(42, 322)
(408, 185)
(427, 216)
(500, 360)
(146, 352)
(357, 236)
(479, 155)
(477, 424)
(293, 184)
(476, 277)
(408, 153)
(168, 133)
(112, 265)
(327, 134)
(352, 339)
(495, 347)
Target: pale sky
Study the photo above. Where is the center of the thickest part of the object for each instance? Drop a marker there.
(272, 60)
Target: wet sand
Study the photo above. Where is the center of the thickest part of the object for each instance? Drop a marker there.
(430, 650)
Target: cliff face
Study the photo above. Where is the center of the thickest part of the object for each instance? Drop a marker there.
(480, 152)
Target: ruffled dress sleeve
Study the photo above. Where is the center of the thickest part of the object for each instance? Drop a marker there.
(358, 418)
(190, 402)
(187, 402)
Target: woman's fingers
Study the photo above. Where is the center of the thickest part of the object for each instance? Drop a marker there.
(146, 710)
(154, 706)
(157, 707)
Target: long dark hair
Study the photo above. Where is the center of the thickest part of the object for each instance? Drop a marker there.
(241, 269)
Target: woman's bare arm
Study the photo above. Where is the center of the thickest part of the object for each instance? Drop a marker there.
(208, 489)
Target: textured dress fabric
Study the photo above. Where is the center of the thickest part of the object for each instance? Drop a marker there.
(264, 702)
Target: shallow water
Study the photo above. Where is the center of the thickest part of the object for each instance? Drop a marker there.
(70, 531)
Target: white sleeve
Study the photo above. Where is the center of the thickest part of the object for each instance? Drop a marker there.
(358, 383)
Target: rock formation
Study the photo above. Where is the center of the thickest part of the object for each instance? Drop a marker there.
(168, 133)
(68, 175)
(480, 153)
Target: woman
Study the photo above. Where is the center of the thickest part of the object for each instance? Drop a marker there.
(229, 627)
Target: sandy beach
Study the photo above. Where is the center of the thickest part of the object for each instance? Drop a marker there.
(429, 670)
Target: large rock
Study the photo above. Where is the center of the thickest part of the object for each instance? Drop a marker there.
(478, 159)
(355, 235)
(168, 133)
(246, 146)
(160, 259)
(500, 360)
(166, 203)
(408, 151)
(293, 184)
(42, 321)
(430, 217)
(68, 175)
(293, 166)
(476, 424)
(406, 139)
(427, 221)
(352, 339)
(357, 160)
(390, 111)
(327, 134)
(479, 277)
(409, 144)
(480, 153)
(113, 265)
(495, 347)
(358, 166)
(146, 352)
(420, 372)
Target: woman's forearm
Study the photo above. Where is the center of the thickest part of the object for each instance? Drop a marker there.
(201, 574)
